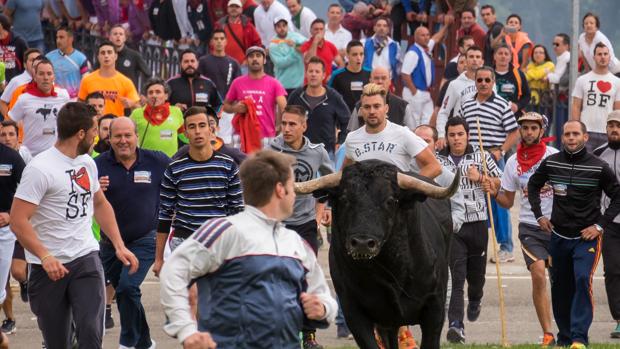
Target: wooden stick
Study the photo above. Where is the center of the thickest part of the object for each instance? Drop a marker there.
(502, 310)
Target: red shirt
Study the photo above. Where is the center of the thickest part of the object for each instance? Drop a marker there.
(474, 31)
(326, 52)
(232, 47)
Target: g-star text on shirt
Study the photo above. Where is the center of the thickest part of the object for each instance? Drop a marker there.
(375, 146)
(80, 194)
(593, 98)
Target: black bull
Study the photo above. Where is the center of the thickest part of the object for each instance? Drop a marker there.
(389, 255)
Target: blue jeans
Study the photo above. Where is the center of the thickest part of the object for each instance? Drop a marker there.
(501, 218)
(134, 328)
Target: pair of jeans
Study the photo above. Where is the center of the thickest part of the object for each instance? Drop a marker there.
(135, 330)
(501, 219)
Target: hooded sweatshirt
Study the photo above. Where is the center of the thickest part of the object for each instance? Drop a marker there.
(311, 160)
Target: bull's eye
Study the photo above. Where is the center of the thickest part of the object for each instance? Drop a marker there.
(391, 202)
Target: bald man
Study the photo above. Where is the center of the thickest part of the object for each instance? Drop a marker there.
(400, 112)
(418, 73)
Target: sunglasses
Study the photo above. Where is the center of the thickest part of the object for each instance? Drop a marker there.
(487, 80)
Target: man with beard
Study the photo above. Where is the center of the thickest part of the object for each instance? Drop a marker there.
(286, 56)
(51, 216)
(218, 66)
(531, 151)
(97, 101)
(103, 133)
(240, 32)
(576, 225)
(191, 89)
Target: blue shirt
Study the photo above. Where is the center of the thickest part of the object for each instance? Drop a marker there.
(134, 192)
(69, 69)
(27, 18)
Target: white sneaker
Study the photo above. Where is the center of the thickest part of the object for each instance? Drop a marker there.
(153, 345)
(504, 257)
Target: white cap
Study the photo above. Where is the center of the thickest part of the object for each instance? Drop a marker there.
(235, 2)
(279, 19)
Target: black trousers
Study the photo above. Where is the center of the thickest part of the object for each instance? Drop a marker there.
(468, 261)
(611, 258)
(398, 17)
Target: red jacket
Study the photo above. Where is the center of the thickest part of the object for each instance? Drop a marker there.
(250, 35)
(248, 127)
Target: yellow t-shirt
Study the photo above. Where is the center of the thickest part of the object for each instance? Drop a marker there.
(112, 89)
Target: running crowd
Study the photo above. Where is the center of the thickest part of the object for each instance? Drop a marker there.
(194, 176)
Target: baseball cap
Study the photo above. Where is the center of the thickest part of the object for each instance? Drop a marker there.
(279, 19)
(235, 2)
(614, 116)
(533, 116)
(253, 49)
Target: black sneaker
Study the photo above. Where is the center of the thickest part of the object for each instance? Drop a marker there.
(109, 321)
(473, 311)
(8, 326)
(23, 291)
(456, 334)
(343, 332)
(309, 341)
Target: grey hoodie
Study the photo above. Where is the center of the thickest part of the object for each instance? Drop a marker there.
(312, 159)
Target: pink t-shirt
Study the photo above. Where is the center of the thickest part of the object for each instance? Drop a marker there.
(264, 92)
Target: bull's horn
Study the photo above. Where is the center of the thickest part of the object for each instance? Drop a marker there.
(430, 190)
(328, 181)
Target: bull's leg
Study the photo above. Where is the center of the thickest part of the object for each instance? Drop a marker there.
(389, 337)
(432, 322)
(362, 329)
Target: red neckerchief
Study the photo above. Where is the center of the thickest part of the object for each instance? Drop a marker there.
(157, 115)
(33, 89)
(530, 156)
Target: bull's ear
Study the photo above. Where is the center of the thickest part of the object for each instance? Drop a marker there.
(408, 198)
(324, 194)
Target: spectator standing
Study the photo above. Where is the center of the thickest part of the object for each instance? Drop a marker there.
(284, 51)
(217, 66)
(189, 88)
(301, 16)
(11, 90)
(588, 40)
(265, 14)
(13, 48)
(418, 73)
(493, 37)
(357, 21)
(518, 41)
(414, 13)
(561, 48)
(536, 74)
(319, 47)
(70, 65)
(129, 61)
(26, 18)
(198, 16)
(240, 32)
(451, 72)
(576, 225)
(164, 21)
(511, 82)
(130, 178)
(380, 50)
(158, 124)
(38, 108)
(350, 80)
(596, 94)
(328, 114)
(336, 33)
(118, 90)
(471, 28)
(52, 215)
(265, 91)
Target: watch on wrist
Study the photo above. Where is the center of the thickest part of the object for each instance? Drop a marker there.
(598, 228)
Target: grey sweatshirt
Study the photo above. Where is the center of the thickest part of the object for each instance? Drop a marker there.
(312, 160)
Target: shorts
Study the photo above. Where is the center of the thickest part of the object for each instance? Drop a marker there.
(175, 242)
(18, 251)
(534, 244)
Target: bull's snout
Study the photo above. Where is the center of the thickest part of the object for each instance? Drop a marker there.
(363, 247)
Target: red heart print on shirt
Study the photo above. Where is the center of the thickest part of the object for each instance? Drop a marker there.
(603, 86)
(81, 178)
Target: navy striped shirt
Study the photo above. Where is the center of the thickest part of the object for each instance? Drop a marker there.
(496, 120)
(193, 192)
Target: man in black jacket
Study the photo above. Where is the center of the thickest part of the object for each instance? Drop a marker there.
(578, 179)
(190, 89)
(129, 62)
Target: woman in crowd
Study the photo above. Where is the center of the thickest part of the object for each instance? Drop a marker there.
(518, 41)
(590, 37)
(536, 74)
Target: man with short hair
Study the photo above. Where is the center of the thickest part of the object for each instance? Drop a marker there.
(493, 36)
(471, 28)
(576, 225)
(531, 151)
(317, 46)
(561, 48)
(335, 32)
(357, 22)
(218, 66)
(51, 216)
(70, 65)
(301, 16)
(285, 53)
(311, 160)
(611, 242)
(265, 14)
(103, 133)
(11, 89)
(189, 88)
(451, 72)
(380, 50)
(240, 32)
(350, 80)
(129, 62)
(256, 244)
(97, 101)
(132, 177)
(12, 47)
(328, 114)
(595, 95)
(38, 108)
(9, 136)
(510, 82)
(119, 91)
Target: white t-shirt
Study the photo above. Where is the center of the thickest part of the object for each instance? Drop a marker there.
(515, 180)
(25, 154)
(340, 38)
(588, 50)
(410, 62)
(63, 189)
(597, 93)
(39, 117)
(16, 82)
(396, 144)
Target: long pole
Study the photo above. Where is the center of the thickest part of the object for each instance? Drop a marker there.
(573, 52)
(502, 309)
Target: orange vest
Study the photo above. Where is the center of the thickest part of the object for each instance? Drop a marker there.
(521, 40)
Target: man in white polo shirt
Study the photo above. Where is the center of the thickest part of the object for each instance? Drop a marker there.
(335, 32)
